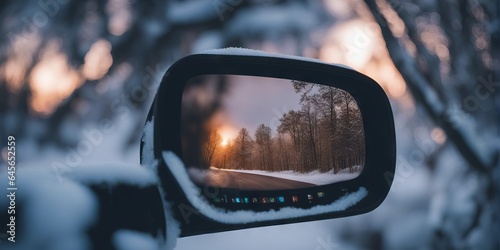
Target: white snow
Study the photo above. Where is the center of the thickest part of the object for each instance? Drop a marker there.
(55, 215)
(177, 168)
(313, 177)
(173, 227)
(149, 162)
(308, 235)
(147, 156)
(131, 240)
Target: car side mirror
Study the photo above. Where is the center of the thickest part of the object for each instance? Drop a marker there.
(244, 139)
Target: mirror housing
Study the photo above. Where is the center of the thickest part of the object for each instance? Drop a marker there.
(190, 203)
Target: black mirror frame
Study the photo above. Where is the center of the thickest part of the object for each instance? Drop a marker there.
(378, 123)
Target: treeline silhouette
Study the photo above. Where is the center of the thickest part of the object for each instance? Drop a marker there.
(325, 134)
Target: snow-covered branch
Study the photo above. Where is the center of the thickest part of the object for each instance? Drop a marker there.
(428, 90)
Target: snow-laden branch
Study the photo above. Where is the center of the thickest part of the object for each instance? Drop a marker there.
(426, 95)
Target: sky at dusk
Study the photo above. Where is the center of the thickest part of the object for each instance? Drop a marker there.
(246, 105)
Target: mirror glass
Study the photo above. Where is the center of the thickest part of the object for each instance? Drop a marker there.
(258, 133)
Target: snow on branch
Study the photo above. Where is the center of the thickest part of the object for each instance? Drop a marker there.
(426, 93)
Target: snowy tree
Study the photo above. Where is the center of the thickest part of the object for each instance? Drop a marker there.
(211, 144)
(243, 145)
(338, 128)
(448, 55)
(263, 143)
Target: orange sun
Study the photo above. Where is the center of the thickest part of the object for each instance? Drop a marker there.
(227, 133)
(224, 141)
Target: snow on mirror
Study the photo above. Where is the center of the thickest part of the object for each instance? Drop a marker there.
(251, 134)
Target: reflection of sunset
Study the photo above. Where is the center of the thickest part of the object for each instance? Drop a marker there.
(224, 142)
(227, 134)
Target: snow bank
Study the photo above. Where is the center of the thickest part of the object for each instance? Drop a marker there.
(56, 212)
(54, 215)
(132, 240)
(313, 177)
(315, 235)
(193, 194)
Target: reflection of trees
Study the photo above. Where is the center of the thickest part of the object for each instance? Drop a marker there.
(264, 146)
(326, 133)
(196, 113)
(243, 145)
(212, 142)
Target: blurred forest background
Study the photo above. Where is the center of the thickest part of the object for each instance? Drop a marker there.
(77, 79)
